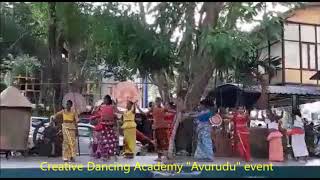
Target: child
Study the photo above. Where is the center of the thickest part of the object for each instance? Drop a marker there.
(129, 130)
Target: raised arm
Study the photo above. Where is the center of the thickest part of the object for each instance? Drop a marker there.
(190, 114)
(117, 111)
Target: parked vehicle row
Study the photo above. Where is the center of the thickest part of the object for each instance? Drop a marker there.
(85, 132)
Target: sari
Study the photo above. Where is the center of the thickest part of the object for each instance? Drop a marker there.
(241, 133)
(129, 131)
(204, 149)
(69, 142)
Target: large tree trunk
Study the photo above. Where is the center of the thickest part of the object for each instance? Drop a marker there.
(161, 81)
(176, 122)
(53, 54)
(264, 97)
(201, 66)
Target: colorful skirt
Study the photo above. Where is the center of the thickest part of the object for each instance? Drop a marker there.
(275, 146)
(204, 150)
(69, 147)
(106, 142)
(162, 140)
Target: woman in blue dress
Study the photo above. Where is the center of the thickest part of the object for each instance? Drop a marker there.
(204, 150)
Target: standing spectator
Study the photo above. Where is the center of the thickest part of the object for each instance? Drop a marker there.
(297, 133)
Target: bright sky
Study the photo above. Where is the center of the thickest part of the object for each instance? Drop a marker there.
(243, 26)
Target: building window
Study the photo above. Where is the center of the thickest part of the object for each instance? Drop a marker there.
(312, 56)
(318, 34)
(308, 33)
(305, 59)
(291, 32)
(292, 55)
(308, 56)
(276, 51)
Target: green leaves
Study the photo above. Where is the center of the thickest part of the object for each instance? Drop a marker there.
(23, 64)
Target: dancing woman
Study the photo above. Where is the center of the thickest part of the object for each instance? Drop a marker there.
(275, 136)
(129, 130)
(240, 120)
(70, 118)
(105, 136)
(204, 149)
(160, 127)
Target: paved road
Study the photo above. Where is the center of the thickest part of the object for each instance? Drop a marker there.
(34, 162)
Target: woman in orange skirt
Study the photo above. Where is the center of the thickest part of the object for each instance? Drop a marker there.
(275, 136)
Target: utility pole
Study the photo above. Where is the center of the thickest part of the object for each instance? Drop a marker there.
(145, 91)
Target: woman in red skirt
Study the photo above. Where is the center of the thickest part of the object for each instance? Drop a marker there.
(240, 120)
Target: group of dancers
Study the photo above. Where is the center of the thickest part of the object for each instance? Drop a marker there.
(105, 137)
(105, 144)
(240, 120)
